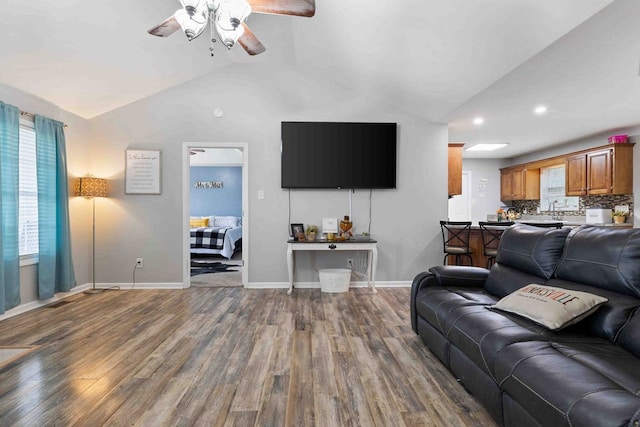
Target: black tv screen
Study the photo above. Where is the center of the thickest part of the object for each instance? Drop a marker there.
(338, 155)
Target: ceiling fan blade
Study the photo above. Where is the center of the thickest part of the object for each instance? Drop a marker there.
(168, 27)
(250, 42)
(284, 7)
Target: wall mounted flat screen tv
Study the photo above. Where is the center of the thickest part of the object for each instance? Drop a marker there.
(338, 155)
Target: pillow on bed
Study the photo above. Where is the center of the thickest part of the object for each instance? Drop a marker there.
(199, 223)
(225, 221)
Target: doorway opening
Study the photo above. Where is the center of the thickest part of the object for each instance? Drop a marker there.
(215, 202)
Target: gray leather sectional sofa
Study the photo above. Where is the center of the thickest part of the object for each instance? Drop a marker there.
(585, 374)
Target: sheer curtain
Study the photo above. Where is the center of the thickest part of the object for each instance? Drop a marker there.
(55, 269)
(9, 184)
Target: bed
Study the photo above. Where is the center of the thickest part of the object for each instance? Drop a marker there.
(215, 235)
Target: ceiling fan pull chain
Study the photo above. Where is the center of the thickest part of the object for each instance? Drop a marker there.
(212, 37)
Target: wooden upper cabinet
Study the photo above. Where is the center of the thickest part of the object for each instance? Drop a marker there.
(506, 191)
(519, 183)
(455, 169)
(600, 171)
(575, 175)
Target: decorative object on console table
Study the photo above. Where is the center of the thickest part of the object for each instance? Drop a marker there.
(345, 228)
(297, 232)
(311, 231)
(92, 187)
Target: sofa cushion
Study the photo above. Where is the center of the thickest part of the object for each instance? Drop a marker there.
(481, 333)
(606, 258)
(531, 252)
(565, 384)
(629, 335)
(551, 307)
(612, 318)
(436, 303)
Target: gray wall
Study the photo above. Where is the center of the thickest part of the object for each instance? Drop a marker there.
(485, 186)
(255, 99)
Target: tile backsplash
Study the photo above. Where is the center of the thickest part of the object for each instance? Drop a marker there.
(608, 201)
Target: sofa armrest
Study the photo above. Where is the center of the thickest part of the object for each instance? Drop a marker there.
(445, 275)
(459, 276)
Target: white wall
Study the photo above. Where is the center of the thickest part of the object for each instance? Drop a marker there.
(78, 138)
(485, 187)
(255, 99)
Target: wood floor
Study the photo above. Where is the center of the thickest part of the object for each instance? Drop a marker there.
(228, 357)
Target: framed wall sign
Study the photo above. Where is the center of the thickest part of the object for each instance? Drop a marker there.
(142, 172)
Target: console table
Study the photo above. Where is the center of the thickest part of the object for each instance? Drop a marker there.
(359, 244)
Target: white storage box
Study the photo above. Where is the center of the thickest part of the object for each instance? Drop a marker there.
(334, 279)
(598, 216)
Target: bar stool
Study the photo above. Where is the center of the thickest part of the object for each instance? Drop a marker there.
(455, 239)
(491, 232)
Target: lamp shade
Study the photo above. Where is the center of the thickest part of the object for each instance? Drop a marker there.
(89, 186)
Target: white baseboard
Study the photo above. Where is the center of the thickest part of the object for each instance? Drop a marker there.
(140, 286)
(32, 305)
(316, 285)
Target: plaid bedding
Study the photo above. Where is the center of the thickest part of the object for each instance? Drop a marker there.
(208, 238)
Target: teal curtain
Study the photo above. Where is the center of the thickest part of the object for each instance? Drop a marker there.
(55, 267)
(9, 184)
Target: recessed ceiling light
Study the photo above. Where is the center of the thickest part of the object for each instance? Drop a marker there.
(478, 121)
(540, 109)
(486, 147)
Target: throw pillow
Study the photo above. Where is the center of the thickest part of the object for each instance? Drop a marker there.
(199, 223)
(553, 308)
(225, 221)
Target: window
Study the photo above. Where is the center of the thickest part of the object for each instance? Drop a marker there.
(552, 191)
(28, 195)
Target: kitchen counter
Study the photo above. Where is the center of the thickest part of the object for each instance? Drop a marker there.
(569, 221)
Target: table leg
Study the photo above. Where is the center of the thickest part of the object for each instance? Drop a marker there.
(290, 268)
(373, 265)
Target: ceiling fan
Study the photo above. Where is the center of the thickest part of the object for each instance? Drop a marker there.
(227, 18)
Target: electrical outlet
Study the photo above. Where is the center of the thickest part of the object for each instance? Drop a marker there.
(139, 263)
(350, 262)
(363, 263)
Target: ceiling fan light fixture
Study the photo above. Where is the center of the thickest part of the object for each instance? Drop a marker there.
(229, 37)
(231, 14)
(191, 28)
(193, 7)
(229, 17)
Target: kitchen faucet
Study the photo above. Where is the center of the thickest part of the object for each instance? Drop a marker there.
(552, 208)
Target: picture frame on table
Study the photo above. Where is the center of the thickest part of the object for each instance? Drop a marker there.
(297, 230)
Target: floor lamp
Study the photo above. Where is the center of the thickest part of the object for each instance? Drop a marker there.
(91, 187)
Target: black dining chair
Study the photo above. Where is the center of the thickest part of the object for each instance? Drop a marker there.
(455, 238)
(545, 224)
(491, 232)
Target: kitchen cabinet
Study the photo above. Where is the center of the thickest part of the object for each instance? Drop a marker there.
(606, 170)
(519, 183)
(455, 169)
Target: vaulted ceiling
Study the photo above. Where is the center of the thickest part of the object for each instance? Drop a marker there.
(442, 60)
